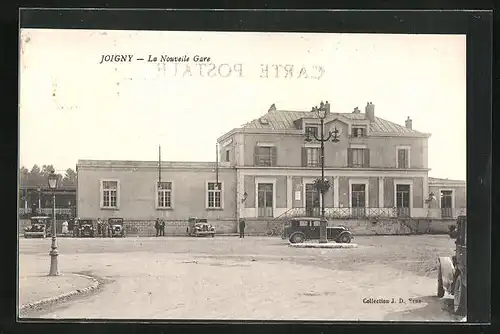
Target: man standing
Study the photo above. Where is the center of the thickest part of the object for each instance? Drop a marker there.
(99, 227)
(157, 226)
(242, 228)
(162, 228)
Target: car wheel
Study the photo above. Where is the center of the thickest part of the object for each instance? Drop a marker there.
(345, 239)
(440, 288)
(459, 295)
(297, 238)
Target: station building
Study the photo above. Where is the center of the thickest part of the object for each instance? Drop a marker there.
(266, 170)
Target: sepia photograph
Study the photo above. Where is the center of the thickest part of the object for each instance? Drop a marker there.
(211, 175)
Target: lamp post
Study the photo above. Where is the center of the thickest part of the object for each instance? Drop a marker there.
(54, 253)
(321, 112)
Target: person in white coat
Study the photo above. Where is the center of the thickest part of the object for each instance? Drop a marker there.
(65, 227)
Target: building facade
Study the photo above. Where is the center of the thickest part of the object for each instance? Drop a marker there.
(37, 200)
(136, 190)
(377, 168)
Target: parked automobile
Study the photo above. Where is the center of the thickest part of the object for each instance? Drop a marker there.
(38, 227)
(199, 227)
(452, 271)
(452, 231)
(116, 227)
(84, 227)
(300, 229)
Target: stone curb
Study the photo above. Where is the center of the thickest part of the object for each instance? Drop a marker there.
(327, 245)
(51, 300)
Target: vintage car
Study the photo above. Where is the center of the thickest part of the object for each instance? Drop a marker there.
(116, 228)
(300, 229)
(84, 227)
(38, 227)
(452, 231)
(452, 271)
(198, 227)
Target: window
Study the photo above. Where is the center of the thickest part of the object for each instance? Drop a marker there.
(358, 157)
(265, 156)
(109, 194)
(403, 158)
(214, 195)
(227, 155)
(358, 200)
(358, 195)
(312, 157)
(358, 131)
(311, 131)
(164, 194)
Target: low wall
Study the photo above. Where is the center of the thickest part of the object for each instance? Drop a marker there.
(174, 227)
(258, 227)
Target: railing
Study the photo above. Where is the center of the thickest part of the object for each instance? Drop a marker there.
(46, 211)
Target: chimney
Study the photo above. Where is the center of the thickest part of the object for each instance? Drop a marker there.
(370, 111)
(356, 111)
(327, 106)
(408, 123)
(272, 107)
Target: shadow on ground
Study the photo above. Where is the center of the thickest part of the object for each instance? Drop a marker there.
(431, 311)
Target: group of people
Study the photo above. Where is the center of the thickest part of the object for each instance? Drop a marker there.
(160, 227)
(103, 228)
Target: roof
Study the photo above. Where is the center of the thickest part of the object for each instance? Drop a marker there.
(151, 164)
(284, 119)
(434, 180)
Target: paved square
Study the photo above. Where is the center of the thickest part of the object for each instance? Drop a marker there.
(256, 278)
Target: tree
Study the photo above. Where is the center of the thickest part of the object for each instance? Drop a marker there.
(24, 175)
(69, 178)
(35, 176)
(39, 177)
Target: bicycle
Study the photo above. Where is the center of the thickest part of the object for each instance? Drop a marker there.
(274, 231)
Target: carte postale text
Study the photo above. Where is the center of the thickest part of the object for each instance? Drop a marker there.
(202, 66)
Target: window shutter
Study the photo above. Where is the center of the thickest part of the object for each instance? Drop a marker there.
(256, 155)
(101, 197)
(366, 158)
(349, 157)
(304, 156)
(274, 156)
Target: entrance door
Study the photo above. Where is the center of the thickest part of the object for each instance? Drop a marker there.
(358, 198)
(446, 203)
(403, 200)
(312, 201)
(265, 200)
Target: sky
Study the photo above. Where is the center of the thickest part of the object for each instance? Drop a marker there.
(74, 107)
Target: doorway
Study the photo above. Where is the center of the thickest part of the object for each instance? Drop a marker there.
(265, 200)
(446, 203)
(403, 200)
(312, 201)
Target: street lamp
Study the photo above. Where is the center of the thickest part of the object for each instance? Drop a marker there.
(323, 184)
(54, 253)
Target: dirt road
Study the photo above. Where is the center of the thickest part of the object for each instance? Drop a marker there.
(385, 278)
